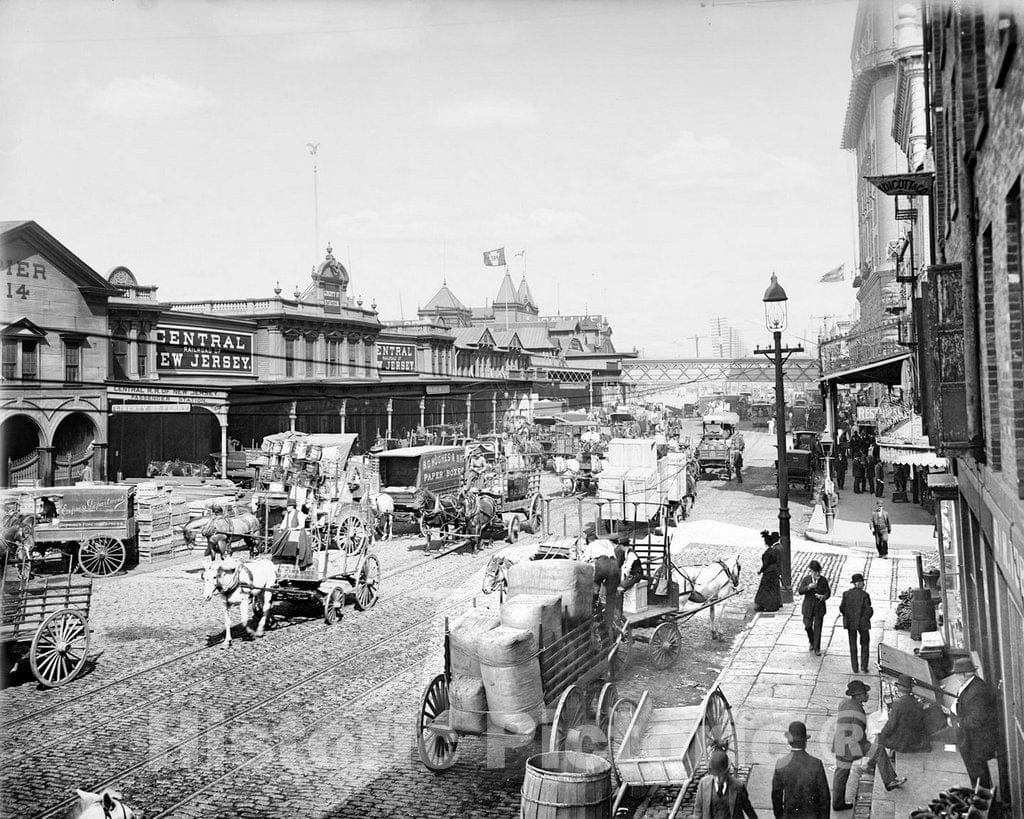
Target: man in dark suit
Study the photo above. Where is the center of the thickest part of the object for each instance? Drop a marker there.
(857, 612)
(816, 591)
(858, 473)
(906, 729)
(851, 743)
(977, 722)
(799, 784)
(721, 795)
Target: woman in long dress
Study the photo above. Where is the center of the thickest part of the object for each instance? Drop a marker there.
(769, 592)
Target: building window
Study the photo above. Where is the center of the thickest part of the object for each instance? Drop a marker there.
(289, 358)
(143, 342)
(1014, 271)
(29, 361)
(993, 431)
(10, 359)
(73, 361)
(119, 355)
(333, 359)
(353, 342)
(310, 356)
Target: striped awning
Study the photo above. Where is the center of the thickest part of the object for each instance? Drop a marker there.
(911, 456)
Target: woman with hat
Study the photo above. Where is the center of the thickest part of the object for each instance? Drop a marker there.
(720, 796)
(816, 591)
(851, 743)
(769, 591)
(977, 722)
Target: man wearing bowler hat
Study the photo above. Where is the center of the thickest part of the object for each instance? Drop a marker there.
(977, 722)
(851, 743)
(799, 784)
(857, 612)
(816, 591)
(906, 729)
(720, 796)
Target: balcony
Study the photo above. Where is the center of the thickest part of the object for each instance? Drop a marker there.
(860, 347)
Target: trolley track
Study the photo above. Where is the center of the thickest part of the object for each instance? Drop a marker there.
(182, 656)
(363, 680)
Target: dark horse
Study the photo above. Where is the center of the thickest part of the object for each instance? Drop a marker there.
(436, 511)
(481, 513)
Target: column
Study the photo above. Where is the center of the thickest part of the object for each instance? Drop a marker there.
(494, 412)
(469, 416)
(391, 409)
(342, 410)
(45, 466)
(423, 412)
(292, 414)
(343, 357)
(442, 410)
(99, 462)
(368, 350)
(222, 418)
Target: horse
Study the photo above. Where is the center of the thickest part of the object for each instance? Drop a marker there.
(705, 585)
(177, 468)
(221, 530)
(568, 471)
(496, 574)
(106, 804)
(480, 512)
(435, 510)
(246, 585)
(382, 505)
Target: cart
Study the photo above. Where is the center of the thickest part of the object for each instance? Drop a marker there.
(91, 525)
(513, 484)
(576, 672)
(653, 747)
(631, 490)
(47, 619)
(401, 473)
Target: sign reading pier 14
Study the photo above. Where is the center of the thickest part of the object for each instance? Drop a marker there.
(195, 350)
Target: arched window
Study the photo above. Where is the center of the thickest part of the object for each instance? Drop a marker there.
(143, 356)
(119, 354)
(289, 357)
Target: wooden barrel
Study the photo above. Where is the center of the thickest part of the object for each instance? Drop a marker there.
(922, 609)
(567, 785)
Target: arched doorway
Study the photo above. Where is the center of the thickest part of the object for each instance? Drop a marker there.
(19, 442)
(72, 447)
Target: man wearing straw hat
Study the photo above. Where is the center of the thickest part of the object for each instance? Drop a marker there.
(720, 796)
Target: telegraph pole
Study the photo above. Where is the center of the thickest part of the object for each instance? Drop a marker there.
(316, 201)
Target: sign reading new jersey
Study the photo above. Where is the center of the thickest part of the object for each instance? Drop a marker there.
(397, 357)
(194, 350)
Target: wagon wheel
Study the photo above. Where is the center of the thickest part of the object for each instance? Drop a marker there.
(59, 647)
(718, 726)
(334, 606)
(619, 718)
(368, 584)
(570, 713)
(535, 515)
(438, 748)
(352, 534)
(666, 643)
(605, 700)
(623, 654)
(512, 529)
(101, 555)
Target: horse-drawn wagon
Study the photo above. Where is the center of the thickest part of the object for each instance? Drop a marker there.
(803, 459)
(93, 526)
(630, 489)
(716, 451)
(47, 620)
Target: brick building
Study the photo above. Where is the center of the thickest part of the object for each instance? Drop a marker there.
(975, 338)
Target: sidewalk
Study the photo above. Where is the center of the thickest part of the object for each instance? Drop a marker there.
(771, 679)
(912, 526)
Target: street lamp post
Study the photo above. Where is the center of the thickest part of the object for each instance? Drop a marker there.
(775, 315)
(827, 448)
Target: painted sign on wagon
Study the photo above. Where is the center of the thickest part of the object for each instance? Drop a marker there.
(198, 350)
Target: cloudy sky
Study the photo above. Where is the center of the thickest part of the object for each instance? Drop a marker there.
(656, 160)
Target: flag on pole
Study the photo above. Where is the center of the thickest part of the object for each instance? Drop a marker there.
(836, 274)
(495, 258)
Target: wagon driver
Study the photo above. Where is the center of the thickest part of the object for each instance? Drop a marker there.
(477, 468)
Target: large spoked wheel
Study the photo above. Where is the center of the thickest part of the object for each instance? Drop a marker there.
(605, 700)
(570, 714)
(101, 556)
(513, 528)
(666, 643)
(334, 606)
(368, 584)
(535, 515)
(619, 718)
(623, 655)
(438, 746)
(59, 647)
(353, 534)
(718, 726)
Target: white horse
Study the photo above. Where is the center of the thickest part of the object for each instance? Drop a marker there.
(106, 804)
(382, 505)
(706, 585)
(246, 585)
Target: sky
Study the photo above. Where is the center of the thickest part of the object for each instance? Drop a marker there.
(657, 161)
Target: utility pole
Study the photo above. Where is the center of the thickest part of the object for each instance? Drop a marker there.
(316, 202)
(696, 344)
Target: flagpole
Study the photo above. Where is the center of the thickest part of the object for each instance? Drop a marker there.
(506, 308)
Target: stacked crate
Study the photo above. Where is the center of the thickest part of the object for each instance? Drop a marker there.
(179, 517)
(153, 524)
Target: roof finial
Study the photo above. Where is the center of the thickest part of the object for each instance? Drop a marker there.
(330, 251)
(277, 288)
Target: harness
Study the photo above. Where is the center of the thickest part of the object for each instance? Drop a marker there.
(235, 582)
(733, 578)
(108, 813)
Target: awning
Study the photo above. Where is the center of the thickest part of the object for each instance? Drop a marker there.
(885, 371)
(911, 456)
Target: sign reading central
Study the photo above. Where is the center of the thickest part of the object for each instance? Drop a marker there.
(397, 357)
(194, 350)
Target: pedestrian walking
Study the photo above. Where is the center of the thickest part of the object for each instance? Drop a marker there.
(720, 796)
(842, 460)
(799, 784)
(858, 474)
(769, 590)
(857, 612)
(977, 722)
(737, 465)
(816, 591)
(851, 743)
(879, 479)
(881, 526)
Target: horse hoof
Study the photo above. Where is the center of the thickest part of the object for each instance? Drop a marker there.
(225, 646)
(259, 634)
